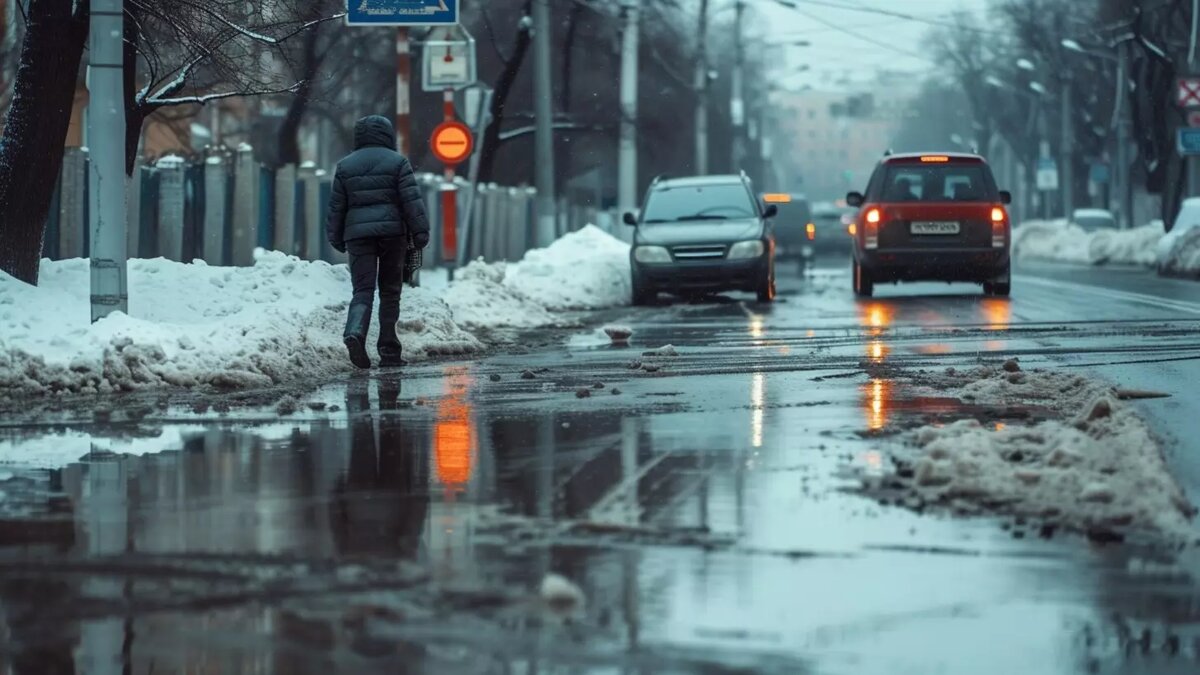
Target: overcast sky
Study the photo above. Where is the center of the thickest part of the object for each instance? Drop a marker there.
(882, 41)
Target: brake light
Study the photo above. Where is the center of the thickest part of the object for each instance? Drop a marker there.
(871, 233)
(811, 231)
(935, 159)
(777, 198)
(999, 227)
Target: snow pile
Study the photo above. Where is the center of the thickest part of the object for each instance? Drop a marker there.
(480, 299)
(1067, 242)
(1183, 257)
(190, 325)
(587, 269)
(1096, 467)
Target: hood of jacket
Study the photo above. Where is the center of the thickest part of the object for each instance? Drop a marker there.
(374, 130)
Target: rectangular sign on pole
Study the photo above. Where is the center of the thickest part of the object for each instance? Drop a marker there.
(1189, 142)
(402, 12)
(1047, 174)
(1187, 92)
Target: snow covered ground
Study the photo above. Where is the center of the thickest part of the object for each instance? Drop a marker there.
(1067, 242)
(1094, 466)
(281, 320)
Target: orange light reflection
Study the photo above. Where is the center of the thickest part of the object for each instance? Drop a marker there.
(997, 313)
(453, 434)
(878, 399)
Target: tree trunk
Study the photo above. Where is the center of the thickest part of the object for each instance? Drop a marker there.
(504, 84)
(135, 114)
(562, 143)
(289, 129)
(32, 148)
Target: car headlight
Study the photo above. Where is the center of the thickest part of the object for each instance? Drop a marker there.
(746, 249)
(651, 254)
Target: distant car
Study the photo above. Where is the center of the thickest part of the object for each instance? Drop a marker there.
(703, 234)
(1094, 220)
(832, 225)
(932, 217)
(792, 240)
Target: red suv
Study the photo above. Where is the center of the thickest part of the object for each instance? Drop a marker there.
(932, 218)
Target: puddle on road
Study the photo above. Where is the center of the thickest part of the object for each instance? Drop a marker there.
(389, 534)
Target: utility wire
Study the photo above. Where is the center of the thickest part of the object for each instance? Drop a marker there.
(796, 4)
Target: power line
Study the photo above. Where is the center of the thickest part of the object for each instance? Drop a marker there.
(860, 36)
(795, 4)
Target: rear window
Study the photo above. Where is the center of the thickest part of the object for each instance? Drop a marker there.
(942, 183)
(700, 202)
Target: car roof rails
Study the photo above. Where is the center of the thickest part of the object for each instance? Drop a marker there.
(888, 152)
(660, 177)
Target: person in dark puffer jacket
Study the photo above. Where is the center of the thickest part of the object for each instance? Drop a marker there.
(375, 214)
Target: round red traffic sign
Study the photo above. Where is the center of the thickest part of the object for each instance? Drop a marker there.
(452, 142)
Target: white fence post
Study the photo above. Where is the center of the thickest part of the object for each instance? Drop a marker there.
(245, 207)
(285, 210)
(170, 207)
(72, 205)
(310, 177)
(215, 199)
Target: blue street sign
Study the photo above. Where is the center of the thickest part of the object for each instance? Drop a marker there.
(401, 12)
(1189, 142)
(1099, 173)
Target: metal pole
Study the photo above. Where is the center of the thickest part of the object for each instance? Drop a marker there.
(106, 135)
(403, 92)
(543, 94)
(1067, 151)
(700, 84)
(737, 109)
(627, 155)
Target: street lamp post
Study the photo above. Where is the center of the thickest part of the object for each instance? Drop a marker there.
(737, 104)
(627, 151)
(700, 83)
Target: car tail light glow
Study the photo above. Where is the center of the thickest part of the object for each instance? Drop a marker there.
(935, 159)
(871, 231)
(811, 231)
(852, 229)
(999, 227)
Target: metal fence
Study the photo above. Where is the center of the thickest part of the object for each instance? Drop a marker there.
(221, 208)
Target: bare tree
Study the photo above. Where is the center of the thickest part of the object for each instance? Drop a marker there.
(36, 128)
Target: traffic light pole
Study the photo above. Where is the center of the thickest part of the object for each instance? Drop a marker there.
(737, 103)
(700, 85)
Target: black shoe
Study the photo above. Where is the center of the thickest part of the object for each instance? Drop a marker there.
(392, 361)
(358, 352)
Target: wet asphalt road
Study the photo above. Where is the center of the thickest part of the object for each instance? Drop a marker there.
(706, 511)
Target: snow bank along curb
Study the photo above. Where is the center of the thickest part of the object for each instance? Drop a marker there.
(278, 321)
(1094, 467)
(1067, 242)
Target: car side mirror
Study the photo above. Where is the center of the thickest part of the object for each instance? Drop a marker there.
(1005, 197)
(771, 211)
(630, 219)
(855, 199)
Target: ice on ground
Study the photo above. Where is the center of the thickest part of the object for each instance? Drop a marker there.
(1067, 242)
(587, 269)
(1095, 466)
(192, 325)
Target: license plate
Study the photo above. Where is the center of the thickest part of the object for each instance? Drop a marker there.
(934, 227)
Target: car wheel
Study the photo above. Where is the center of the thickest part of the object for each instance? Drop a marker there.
(766, 289)
(643, 296)
(1001, 286)
(864, 285)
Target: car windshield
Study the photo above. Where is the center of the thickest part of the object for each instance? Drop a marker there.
(943, 183)
(699, 202)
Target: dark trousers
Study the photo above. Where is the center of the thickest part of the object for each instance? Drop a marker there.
(376, 261)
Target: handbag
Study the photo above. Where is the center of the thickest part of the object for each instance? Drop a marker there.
(412, 266)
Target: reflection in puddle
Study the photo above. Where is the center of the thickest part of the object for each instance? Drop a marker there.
(997, 312)
(877, 404)
(876, 316)
(453, 434)
(758, 388)
(757, 323)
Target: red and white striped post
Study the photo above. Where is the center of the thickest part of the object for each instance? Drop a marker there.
(449, 193)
